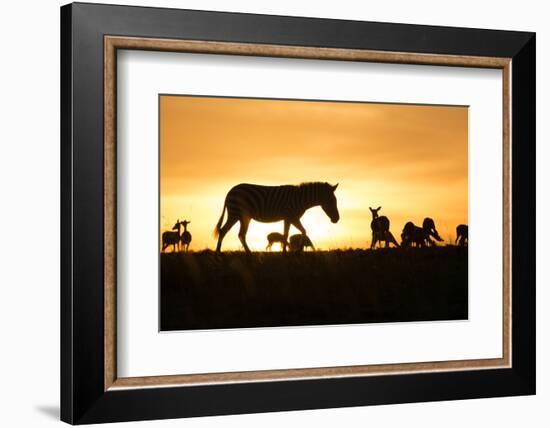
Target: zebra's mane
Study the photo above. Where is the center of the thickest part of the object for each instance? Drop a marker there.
(313, 184)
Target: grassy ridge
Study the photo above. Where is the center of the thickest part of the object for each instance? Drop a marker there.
(206, 290)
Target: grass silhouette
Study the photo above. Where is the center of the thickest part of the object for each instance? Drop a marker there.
(206, 290)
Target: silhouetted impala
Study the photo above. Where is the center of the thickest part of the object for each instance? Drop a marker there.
(171, 238)
(380, 227)
(420, 236)
(185, 237)
(461, 234)
(273, 238)
(299, 243)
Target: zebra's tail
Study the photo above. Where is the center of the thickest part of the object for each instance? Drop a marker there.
(220, 221)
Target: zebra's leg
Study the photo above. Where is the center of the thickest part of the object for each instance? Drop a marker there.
(298, 225)
(229, 223)
(242, 233)
(285, 235)
(373, 242)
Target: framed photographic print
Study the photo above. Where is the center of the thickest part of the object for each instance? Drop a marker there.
(265, 213)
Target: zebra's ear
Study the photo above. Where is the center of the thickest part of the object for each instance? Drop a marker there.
(335, 186)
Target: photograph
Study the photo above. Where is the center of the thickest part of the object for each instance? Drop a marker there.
(291, 212)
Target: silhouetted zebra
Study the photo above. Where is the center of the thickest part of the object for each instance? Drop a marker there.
(268, 204)
(461, 234)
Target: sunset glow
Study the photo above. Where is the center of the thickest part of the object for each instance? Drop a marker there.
(410, 159)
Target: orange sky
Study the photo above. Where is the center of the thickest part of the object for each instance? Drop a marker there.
(410, 159)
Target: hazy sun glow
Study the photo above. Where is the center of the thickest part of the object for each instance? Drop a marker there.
(410, 159)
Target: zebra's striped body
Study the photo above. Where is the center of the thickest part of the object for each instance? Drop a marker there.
(268, 204)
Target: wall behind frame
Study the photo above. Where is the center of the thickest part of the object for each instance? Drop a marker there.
(29, 172)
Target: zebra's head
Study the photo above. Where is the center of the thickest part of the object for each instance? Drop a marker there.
(328, 203)
(177, 226)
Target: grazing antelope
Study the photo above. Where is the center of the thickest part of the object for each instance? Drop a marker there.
(420, 236)
(412, 234)
(300, 242)
(380, 227)
(273, 238)
(171, 238)
(428, 226)
(461, 234)
(268, 204)
(185, 237)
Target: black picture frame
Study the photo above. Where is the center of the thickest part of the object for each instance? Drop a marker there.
(83, 396)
